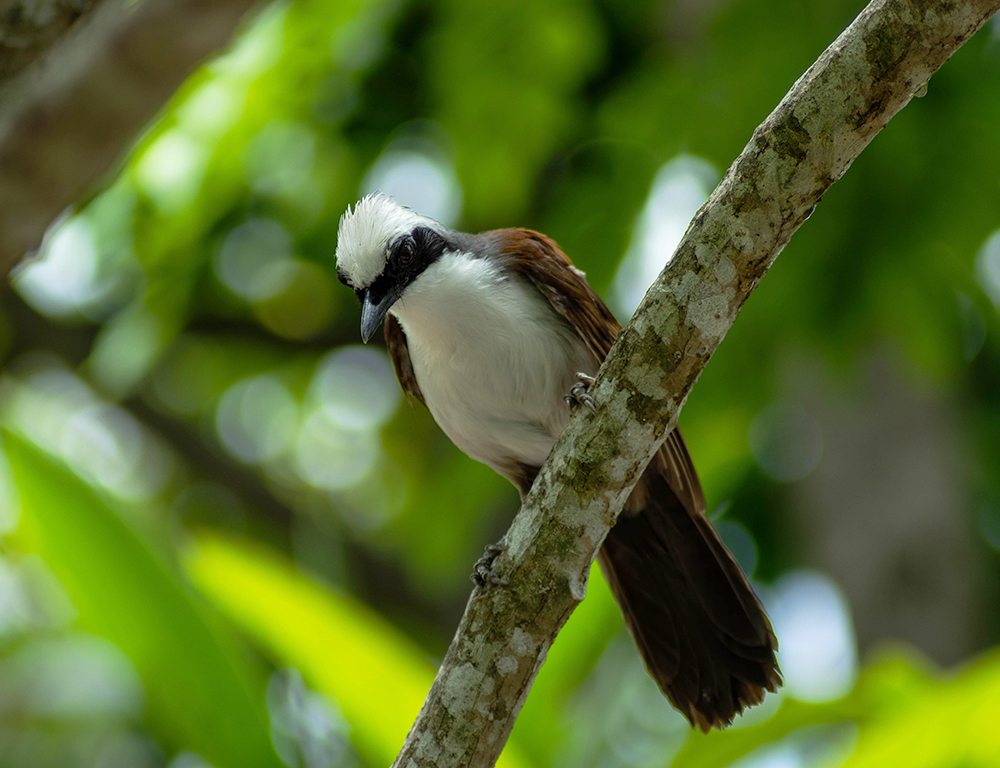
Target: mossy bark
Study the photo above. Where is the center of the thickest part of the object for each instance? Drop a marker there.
(828, 117)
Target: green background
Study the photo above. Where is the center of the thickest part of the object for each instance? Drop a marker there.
(227, 539)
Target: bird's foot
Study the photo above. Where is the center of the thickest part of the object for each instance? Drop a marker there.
(482, 571)
(579, 394)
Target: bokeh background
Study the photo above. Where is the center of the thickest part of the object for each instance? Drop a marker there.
(227, 540)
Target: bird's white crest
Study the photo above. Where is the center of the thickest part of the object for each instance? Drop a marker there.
(366, 233)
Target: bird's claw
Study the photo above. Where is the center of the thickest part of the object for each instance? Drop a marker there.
(482, 571)
(579, 394)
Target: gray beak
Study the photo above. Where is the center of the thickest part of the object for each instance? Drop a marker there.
(372, 313)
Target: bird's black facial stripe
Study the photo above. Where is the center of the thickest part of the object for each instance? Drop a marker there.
(342, 277)
(419, 250)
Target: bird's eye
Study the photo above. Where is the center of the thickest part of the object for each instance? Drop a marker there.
(406, 252)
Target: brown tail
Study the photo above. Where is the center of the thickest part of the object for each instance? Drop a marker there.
(699, 627)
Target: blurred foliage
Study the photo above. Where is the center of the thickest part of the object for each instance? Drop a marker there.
(193, 680)
(227, 539)
(330, 637)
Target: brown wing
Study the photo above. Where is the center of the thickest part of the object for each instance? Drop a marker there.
(395, 343)
(701, 630)
(540, 260)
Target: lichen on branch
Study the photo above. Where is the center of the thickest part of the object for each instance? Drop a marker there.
(829, 116)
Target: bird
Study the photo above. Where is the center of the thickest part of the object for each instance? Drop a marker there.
(498, 335)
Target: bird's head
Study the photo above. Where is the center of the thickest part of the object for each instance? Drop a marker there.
(382, 248)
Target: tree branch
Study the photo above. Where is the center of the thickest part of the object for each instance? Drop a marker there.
(884, 58)
(73, 110)
(29, 28)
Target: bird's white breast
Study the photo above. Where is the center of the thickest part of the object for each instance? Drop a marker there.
(492, 358)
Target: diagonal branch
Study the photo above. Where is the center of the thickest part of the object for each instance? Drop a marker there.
(79, 79)
(869, 73)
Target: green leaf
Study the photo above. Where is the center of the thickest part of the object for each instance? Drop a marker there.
(201, 696)
(949, 722)
(722, 748)
(905, 716)
(377, 676)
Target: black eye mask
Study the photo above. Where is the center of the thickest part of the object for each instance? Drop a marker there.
(409, 256)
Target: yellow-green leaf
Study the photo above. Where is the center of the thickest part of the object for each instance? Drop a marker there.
(376, 675)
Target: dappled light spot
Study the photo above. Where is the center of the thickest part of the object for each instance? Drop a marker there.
(126, 349)
(85, 268)
(786, 442)
(331, 457)
(619, 717)
(189, 760)
(280, 158)
(369, 506)
(415, 172)
(102, 442)
(805, 747)
(116, 451)
(15, 604)
(259, 48)
(307, 727)
(356, 388)
(304, 307)
(128, 750)
(678, 191)
(64, 278)
(171, 170)
(740, 542)
(255, 260)
(212, 108)
(818, 651)
(780, 755)
(988, 267)
(74, 676)
(31, 598)
(44, 395)
(256, 419)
